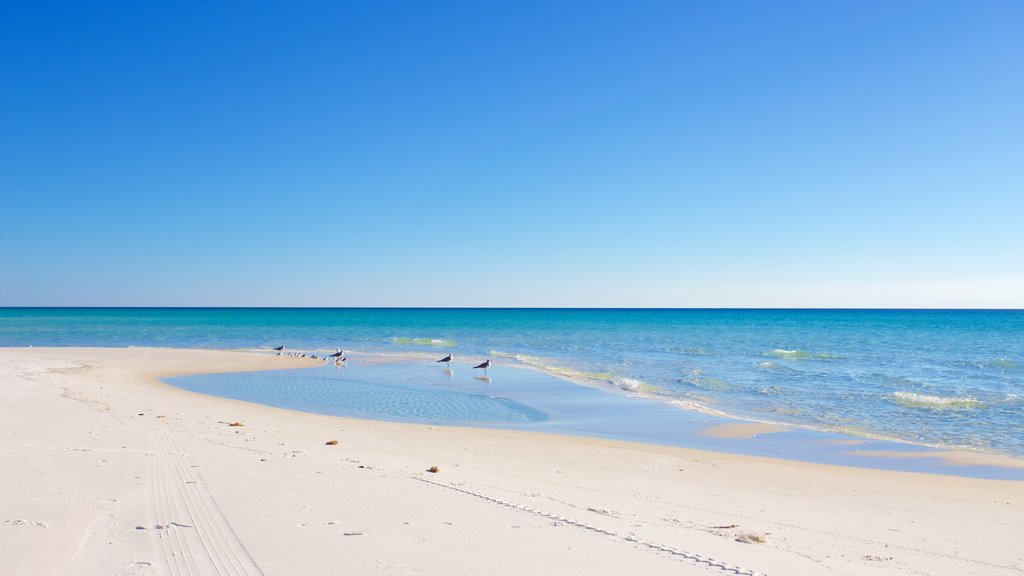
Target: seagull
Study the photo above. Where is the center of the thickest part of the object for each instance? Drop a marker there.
(447, 359)
(337, 354)
(280, 349)
(485, 365)
(340, 361)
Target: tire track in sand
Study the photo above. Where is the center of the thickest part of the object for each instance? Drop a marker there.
(695, 558)
(196, 538)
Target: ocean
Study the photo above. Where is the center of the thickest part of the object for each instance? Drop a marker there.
(944, 378)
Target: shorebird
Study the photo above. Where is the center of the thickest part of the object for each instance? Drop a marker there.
(485, 365)
(340, 361)
(447, 360)
(337, 354)
(280, 349)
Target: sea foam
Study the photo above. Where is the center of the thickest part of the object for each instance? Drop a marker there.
(915, 400)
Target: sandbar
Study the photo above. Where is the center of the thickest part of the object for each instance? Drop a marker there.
(743, 430)
(107, 470)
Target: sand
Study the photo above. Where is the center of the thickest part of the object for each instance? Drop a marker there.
(106, 470)
(741, 430)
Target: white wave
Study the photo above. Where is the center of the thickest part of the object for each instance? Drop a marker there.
(800, 355)
(406, 341)
(915, 400)
(695, 406)
(630, 384)
(551, 367)
(774, 367)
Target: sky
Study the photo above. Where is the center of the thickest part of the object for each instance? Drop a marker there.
(578, 154)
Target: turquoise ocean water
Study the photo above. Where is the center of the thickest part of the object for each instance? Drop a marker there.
(941, 378)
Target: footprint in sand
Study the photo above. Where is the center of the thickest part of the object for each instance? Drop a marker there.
(23, 522)
(139, 569)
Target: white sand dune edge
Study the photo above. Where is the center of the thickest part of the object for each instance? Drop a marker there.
(104, 470)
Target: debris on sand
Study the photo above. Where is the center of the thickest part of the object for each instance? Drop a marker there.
(433, 469)
(753, 538)
(331, 443)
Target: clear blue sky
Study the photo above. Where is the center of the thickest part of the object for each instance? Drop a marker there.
(512, 154)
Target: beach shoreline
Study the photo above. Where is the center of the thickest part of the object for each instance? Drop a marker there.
(693, 425)
(118, 472)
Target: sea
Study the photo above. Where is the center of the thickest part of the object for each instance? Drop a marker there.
(938, 378)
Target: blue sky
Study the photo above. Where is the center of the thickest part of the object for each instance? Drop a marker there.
(683, 154)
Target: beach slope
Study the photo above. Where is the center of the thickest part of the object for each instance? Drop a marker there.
(107, 470)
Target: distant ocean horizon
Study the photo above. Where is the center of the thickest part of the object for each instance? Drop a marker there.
(940, 377)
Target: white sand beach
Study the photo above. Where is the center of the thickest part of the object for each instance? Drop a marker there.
(106, 470)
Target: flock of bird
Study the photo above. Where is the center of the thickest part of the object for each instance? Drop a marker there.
(339, 358)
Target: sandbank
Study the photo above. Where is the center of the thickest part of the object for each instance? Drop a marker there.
(107, 470)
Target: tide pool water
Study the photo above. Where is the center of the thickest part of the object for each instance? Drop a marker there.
(941, 378)
(419, 390)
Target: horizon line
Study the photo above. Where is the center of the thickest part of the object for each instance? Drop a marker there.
(652, 308)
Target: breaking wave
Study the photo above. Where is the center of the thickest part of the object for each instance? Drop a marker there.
(405, 341)
(915, 400)
(631, 384)
(548, 366)
(801, 355)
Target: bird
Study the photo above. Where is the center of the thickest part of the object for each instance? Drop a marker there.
(280, 349)
(485, 365)
(337, 354)
(340, 361)
(447, 359)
